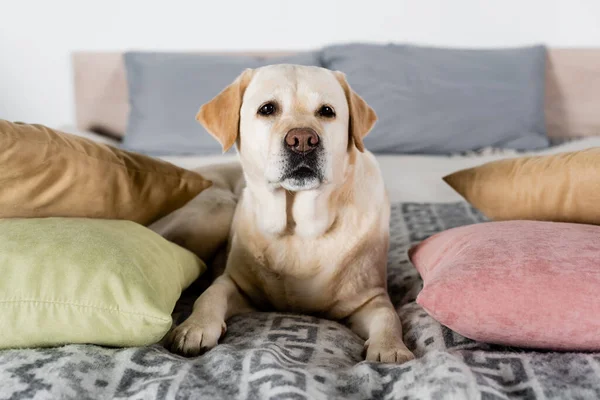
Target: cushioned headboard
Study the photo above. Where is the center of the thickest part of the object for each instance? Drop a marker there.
(101, 101)
(572, 91)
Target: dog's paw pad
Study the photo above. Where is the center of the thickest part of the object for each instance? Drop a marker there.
(191, 339)
(388, 352)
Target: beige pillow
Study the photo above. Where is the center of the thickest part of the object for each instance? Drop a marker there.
(564, 187)
(46, 173)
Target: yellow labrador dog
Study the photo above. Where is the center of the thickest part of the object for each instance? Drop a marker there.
(310, 230)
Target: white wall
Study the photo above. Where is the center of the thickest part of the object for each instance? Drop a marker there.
(36, 37)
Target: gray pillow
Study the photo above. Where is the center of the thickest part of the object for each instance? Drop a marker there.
(442, 101)
(166, 91)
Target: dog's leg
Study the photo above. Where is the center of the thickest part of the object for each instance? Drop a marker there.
(379, 325)
(205, 326)
(203, 224)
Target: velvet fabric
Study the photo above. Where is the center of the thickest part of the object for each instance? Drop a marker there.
(47, 173)
(80, 280)
(520, 283)
(563, 187)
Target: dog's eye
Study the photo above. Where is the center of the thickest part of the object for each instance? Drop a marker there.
(267, 109)
(327, 112)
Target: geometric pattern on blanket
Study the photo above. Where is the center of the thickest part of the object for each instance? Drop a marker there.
(286, 356)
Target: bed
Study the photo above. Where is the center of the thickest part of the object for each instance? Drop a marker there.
(287, 356)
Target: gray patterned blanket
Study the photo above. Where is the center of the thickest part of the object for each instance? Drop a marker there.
(283, 356)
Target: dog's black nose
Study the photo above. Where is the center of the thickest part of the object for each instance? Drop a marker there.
(302, 140)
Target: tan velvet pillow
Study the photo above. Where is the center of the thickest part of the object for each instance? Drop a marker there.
(564, 187)
(46, 173)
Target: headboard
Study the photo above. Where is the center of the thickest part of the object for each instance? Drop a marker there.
(572, 91)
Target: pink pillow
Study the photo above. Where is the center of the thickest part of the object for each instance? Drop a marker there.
(518, 283)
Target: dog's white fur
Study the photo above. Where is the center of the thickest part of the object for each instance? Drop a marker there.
(316, 245)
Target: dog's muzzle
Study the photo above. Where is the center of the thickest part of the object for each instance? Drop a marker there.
(303, 165)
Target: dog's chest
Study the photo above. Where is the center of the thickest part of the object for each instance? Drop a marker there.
(299, 278)
(308, 271)
(286, 293)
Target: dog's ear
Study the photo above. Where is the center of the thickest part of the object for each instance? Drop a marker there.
(362, 116)
(221, 116)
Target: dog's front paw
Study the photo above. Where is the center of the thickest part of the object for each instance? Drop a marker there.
(387, 350)
(194, 338)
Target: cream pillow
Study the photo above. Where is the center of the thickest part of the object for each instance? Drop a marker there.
(564, 187)
(104, 282)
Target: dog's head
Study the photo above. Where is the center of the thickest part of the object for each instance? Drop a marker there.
(295, 126)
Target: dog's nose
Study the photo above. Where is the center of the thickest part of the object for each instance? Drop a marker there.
(302, 140)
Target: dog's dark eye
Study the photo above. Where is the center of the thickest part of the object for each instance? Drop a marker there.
(267, 109)
(327, 112)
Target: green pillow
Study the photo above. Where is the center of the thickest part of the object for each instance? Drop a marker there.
(76, 280)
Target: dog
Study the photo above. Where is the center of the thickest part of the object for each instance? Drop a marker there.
(301, 222)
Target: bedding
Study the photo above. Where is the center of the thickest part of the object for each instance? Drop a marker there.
(77, 280)
(96, 137)
(447, 100)
(286, 356)
(561, 187)
(272, 355)
(520, 283)
(166, 91)
(418, 178)
(572, 91)
(41, 167)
